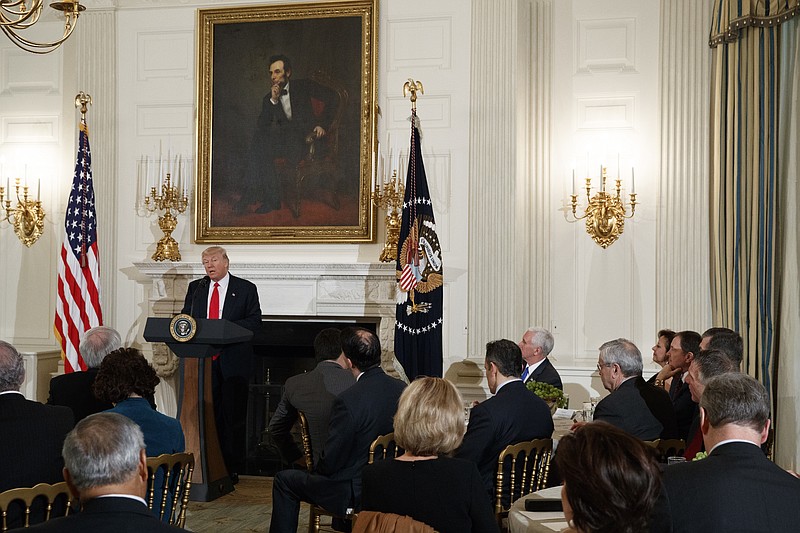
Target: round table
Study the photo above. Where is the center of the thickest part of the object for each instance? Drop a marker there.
(522, 521)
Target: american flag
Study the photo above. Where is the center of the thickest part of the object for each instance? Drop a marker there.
(78, 302)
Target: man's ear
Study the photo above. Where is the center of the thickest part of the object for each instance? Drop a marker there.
(690, 357)
(142, 470)
(765, 431)
(704, 424)
(70, 484)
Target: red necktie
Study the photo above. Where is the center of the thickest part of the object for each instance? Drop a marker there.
(213, 309)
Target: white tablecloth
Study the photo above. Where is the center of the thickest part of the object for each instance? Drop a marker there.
(522, 521)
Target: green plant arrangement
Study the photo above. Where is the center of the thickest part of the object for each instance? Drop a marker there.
(550, 394)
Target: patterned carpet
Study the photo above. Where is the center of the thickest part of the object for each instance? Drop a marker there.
(248, 508)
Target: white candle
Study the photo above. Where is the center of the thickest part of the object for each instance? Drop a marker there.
(619, 173)
(38, 190)
(573, 182)
(633, 182)
(602, 181)
(160, 162)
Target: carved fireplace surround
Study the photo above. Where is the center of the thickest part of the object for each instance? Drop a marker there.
(286, 291)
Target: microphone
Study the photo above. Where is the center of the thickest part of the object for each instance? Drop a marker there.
(203, 283)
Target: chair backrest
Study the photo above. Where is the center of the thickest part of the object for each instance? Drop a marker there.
(43, 492)
(522, 468)
(670, 448)
(169, 481)
(384, 447)
(305, 437)
(377, 522)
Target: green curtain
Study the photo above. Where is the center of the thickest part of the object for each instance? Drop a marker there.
(745, 251)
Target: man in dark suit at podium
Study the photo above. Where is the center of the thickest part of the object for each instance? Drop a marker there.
(221, 295)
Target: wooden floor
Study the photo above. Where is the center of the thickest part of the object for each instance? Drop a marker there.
(248, 508)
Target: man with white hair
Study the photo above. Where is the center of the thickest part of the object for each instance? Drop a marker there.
(105, 467)
(74, 390)
(536, 345)
(32, 433)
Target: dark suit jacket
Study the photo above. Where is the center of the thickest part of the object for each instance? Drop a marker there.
(74, 390)
(685, 408)
(107, 515)
(359, 415)
(735, 489)
(162, 433)
(30, 441)
(313, 394)
(242, 308)
(513, 415)
(627, 409)
(546, 373)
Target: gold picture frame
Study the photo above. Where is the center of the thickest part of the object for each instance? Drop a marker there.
(291, 164)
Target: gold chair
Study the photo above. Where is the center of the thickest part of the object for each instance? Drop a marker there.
(374, 521)
(386, 446)
(169, 481)
(43, 492)
(670, 448)
(527, 466)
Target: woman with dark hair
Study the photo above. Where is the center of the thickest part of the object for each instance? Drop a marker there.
(125, 379)
(660, 350)
(424, 483)
(611, 480)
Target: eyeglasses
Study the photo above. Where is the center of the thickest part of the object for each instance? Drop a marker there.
(601, 365)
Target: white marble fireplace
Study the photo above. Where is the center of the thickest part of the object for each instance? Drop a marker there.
(286, 291)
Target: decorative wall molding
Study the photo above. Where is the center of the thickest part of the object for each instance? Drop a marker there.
(152, 62)
(21, 74)
(39, 129)
(165, 119)
(437, 112)
(616, 112)
(419, 43)
(606, 45)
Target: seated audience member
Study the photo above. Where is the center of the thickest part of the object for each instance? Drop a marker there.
(359, 415)
(660, 358)
(536, 345)
(424, 483)
(31, 436)
(735, 488)
(514, 414)
(640, 409)
(313, 394)
(707, 364)
(685, 345)
(726, 341)
(105, 467)
(125, 379)
(612, 481)
(74, 390)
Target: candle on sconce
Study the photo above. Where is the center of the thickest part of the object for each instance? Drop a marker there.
(619, 172)
(38, 190)
(602, 181)
(573, 181)
(633, 182)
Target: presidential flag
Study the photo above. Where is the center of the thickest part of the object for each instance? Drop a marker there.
(418, 324)
(78, 298)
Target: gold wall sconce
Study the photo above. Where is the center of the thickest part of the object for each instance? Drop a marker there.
(605, 213)
(389, 195)
(19, 15)
(27, 216)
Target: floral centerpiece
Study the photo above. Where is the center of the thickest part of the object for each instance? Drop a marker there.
(553, 396)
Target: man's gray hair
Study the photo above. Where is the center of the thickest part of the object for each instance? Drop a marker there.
(543, 339)
(713, 363)
(735, 398)
(103, 449)
(97, 343)
(12, 368)
(625, 354)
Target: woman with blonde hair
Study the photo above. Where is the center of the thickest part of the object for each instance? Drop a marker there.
(425, 483)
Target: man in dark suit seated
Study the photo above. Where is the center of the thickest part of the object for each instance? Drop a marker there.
(634, 405)
(222, 295)
(708, 364)
(31, 436)
(105, 467)
(726, 341)
(735, 488)
(74, 390)
(359, 415)
(684, 346)
(313, 394)
(536, 345)
(514, 414)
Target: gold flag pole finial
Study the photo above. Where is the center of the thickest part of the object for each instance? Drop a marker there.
(412, 87)
(81, 99)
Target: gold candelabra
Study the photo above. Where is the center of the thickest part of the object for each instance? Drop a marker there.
(170, 198)
(389, 196)
(19, 15)
(27, 217)
(605, 213)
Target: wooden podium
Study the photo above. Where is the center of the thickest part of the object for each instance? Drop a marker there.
(195, 402)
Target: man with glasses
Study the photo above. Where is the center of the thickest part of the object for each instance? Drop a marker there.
(634, 406)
